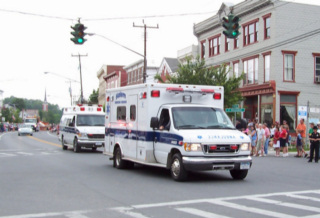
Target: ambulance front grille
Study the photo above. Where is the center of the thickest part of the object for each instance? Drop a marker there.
(95, 136)
(214, 148)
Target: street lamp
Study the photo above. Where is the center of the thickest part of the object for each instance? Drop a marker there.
(69, 80)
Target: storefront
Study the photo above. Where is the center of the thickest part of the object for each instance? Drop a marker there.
(260, 101)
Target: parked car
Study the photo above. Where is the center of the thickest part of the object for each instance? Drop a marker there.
(25, 129)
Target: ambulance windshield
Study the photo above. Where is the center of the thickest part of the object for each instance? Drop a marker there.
(200, 118)
(90, 120)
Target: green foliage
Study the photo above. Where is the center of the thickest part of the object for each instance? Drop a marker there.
(196, 73)
(52, 116)
(93, 98)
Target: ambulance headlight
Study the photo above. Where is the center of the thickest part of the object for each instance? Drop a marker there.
(82, 135)
(192, 147)
(245, 147)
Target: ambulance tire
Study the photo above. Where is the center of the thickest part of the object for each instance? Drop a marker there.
(64, 147)
(76, 146)
(178, 172)
(117, 159)
(238, 174)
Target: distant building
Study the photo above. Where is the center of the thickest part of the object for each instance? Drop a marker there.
(135, 73)
(278, 51)
(188, 52)
(103, 72)
(45, 103)
(167, 67)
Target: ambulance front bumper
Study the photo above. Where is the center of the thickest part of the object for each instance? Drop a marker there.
(217, 163)
(90, 144)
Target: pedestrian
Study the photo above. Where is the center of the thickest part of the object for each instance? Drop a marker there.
(253, 140)
(301, 128)
(272, 130)
(260, 141)
(267, 136)
(282, 139)
(299, 145)
(314, 148)
(276, 141)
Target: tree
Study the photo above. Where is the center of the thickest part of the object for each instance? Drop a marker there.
(93, 98)
(196, 73)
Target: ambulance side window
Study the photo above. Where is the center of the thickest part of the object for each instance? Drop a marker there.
(132, 112)
(164, 121)
(121, 113)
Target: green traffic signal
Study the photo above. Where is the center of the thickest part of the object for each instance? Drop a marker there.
(78, 34)
(231, 26)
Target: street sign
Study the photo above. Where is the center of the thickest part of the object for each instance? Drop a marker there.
(235, 109)
(235, 106)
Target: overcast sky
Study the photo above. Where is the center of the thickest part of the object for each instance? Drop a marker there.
(35, 38)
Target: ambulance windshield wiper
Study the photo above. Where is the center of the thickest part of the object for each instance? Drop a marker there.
(219, 127)
(191, 127)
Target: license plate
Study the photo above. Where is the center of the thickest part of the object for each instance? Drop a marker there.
(245, 166)
(98, 143)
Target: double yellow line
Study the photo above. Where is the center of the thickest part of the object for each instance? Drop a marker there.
(49, 143)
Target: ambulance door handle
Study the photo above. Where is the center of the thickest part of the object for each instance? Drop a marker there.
(111, 134)
(155, 139)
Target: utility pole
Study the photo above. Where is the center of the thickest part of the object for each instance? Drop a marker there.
(78, 55)
(145, 47)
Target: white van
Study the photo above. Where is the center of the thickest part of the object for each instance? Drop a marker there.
(179, 127)
(82, 126)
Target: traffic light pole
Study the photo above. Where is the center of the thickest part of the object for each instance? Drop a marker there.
(78, 55)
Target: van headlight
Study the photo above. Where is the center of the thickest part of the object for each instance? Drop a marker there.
(82, 135)
(192, 147)
(245, 147)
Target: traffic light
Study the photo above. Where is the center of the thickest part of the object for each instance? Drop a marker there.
(231, 25)
(78, 34)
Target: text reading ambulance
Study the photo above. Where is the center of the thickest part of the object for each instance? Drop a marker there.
(179, 127)
(82, 126)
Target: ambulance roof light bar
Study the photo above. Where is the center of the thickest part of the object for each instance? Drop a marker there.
(176, 90)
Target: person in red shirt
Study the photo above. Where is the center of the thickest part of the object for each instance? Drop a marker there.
(282, 138)
(276, 142)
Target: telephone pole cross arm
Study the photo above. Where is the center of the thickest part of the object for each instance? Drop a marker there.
(145, 47)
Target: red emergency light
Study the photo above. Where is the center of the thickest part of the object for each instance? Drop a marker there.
(207, 90)
(99, 109)
(174, 89)
(234, 147)
(217, 96)
(82, 109)
(155, 93)
(108, 99)
(213, 147)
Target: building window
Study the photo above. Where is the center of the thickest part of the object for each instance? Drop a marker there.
(203, 49)
(236, 69)
(250, 31)
(266, 20)
(236, 43)
(266, 57)
(227, 44)
(250, 68)
(288, 65)
(316, 67)
(288, 109)
(214, 45)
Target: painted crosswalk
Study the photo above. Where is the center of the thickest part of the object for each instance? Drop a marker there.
(27, 153)
(299, 204)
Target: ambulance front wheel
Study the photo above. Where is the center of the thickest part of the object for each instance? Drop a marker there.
(76, 146)
(239, 174)
(178, 172)
(117, 159)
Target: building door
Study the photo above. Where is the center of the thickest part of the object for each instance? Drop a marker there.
(251, 106)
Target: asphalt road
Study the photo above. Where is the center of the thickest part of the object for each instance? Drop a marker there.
(39, 179)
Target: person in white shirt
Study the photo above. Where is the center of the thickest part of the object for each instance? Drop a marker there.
(260, 140)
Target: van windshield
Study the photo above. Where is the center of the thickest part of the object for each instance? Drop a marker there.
(200, 118)
(90, 120)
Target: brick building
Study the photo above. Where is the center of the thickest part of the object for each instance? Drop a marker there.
(278, 50)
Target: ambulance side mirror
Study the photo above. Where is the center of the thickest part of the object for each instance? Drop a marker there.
(154, 123)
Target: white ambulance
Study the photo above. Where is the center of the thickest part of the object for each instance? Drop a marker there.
(82, 126)
(179, 127)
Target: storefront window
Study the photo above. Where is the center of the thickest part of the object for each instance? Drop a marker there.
(267, 109)
(288, 110)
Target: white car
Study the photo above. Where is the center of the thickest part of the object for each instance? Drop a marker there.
(25, 129)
